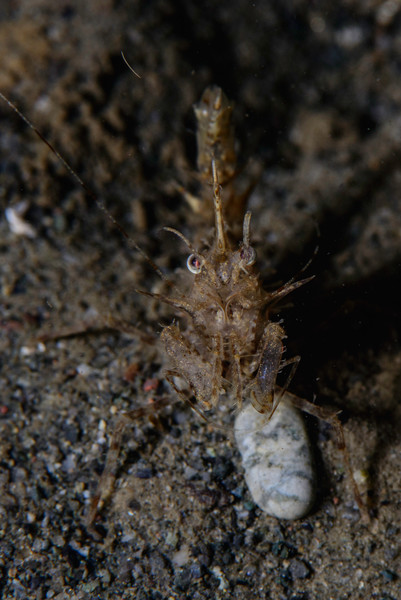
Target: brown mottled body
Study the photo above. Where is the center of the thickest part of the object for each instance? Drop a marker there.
(229, 345)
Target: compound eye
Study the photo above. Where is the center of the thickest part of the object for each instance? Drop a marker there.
(248, 255)
(194, 263)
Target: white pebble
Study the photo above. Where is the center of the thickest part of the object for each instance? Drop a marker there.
(277, 459)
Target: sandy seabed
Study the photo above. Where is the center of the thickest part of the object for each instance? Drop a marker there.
(317, 93)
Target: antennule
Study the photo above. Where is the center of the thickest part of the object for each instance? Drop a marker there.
(182, 237)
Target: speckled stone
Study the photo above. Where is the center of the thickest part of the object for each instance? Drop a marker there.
(277, 460)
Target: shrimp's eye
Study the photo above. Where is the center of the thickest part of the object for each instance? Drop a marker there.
(194, 263)
(248, 255)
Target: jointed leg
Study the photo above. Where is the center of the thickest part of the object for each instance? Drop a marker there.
(270, 363)
(97, 325)
(331, 418)
(294, 361)
(235, 346)
(109, 472)
(169, 376)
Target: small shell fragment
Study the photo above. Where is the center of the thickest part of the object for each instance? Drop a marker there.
(277, 459)
(14, 216)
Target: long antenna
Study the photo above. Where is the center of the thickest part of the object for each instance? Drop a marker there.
(129, 66)
(100, 204)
